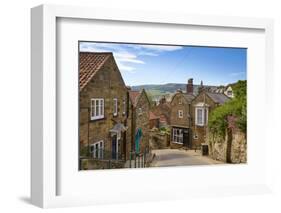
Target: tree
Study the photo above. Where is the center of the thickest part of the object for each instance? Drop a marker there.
(236, 107)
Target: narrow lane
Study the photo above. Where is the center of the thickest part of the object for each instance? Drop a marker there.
(176, 157)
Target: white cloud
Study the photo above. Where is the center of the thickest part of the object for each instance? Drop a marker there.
(127, 57)
(125, 68)
(148, 53)
(161, 48)
(127, 54)
(130, 60)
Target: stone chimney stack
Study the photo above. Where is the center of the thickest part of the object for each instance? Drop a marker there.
(201, 87)
(189, 86)
(179, 91)
(163, 100)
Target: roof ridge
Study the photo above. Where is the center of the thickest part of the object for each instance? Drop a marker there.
(100, 53)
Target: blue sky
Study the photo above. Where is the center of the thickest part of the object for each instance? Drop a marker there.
(159, 64)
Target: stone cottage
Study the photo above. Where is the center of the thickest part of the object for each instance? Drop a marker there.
(229, 91)
(181, 119)
(163, 111)
(202, 105)
(153, 120)
(104, 112)
(140, 105)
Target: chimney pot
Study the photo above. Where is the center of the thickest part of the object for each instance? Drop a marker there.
(189, 86)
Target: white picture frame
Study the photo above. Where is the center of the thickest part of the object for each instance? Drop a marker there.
(44, 154)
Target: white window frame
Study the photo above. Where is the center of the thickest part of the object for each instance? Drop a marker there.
(97, 154)
(229, 93)
(124, 106)
(97, 109)
(115, 106)
(180, 113)
(140, 111)
(205, 113)
(180, 101)
(177, 136)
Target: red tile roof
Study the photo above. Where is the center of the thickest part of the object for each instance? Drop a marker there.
(152, 116)
(90, 63)
(134, 97)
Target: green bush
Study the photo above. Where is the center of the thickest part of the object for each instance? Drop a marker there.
(164, 129)
(236, 107)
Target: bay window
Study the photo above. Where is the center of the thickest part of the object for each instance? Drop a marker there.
(201, 116)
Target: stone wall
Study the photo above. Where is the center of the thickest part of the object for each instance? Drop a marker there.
(159, 140)
(179, 102)
(176, 145)
(107, 83)
(142, 119)
(232, 148)
(163, 111)
(89, 164)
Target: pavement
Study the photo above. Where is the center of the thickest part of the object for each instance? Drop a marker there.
(180, 157)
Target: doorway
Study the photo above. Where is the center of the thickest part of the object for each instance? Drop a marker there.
(114, 149)
(186, 138)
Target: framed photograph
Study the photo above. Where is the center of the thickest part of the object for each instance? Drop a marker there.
(131, 106)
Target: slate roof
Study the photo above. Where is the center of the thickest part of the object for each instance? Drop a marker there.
(188, 97)
(89, 64)
(219, 98)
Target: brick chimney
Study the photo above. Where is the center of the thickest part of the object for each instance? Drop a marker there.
(189, 86)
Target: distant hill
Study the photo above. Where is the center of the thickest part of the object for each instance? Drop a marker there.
(156, 91)
(169, 88)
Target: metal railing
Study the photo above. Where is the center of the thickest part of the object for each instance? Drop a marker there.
(103, 159)
(138, 160)
(103, 154)
(110, 159)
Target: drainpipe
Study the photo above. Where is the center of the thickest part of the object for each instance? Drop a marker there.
(190, 124)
